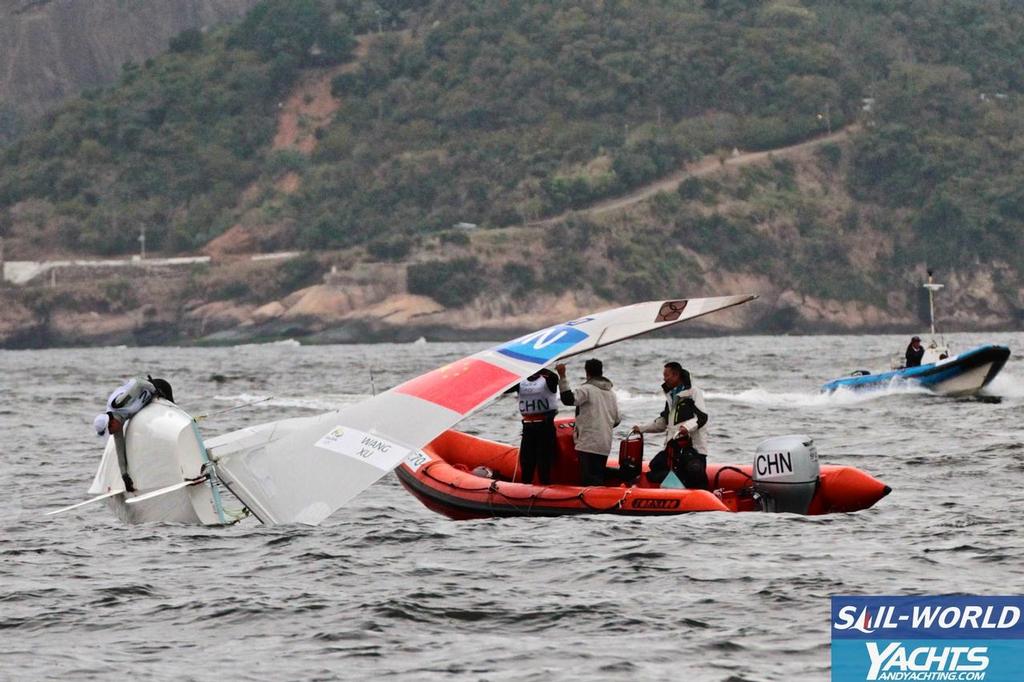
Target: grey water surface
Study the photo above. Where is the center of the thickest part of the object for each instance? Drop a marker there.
(387, 589)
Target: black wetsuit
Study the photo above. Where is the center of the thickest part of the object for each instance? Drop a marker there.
(914, 355)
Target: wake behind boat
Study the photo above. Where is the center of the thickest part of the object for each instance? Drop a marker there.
(933, 368)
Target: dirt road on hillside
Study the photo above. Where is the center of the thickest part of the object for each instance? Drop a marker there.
(705, 166)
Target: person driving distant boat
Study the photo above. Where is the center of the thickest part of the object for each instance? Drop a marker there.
(597, 413)
(683, 420)
(915, 351)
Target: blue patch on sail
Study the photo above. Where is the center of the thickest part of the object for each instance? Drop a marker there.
(544, 346)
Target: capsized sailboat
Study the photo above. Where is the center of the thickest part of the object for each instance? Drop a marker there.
(302, 470)
(962, 374)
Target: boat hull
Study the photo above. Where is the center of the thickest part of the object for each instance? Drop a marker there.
(961, 375)
(163, 448)
(441, 477)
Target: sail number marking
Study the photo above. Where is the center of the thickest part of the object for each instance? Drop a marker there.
(416, 459)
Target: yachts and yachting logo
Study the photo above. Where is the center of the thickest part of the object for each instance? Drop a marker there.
(544, 346)
(927, 638)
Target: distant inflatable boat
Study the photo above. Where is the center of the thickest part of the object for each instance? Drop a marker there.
(959, 375)
(465, 477)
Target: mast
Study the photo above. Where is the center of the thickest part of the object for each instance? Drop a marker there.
(932, 288)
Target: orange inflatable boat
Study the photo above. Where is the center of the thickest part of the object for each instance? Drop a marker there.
(466, 477)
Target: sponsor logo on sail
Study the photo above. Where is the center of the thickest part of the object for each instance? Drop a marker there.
(544, 346)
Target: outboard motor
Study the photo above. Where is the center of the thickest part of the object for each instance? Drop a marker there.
(786, 473)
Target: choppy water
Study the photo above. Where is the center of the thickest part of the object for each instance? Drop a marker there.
(388, 589)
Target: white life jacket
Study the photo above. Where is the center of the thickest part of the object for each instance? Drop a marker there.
(536, 398)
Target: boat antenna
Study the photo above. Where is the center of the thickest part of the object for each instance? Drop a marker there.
(932, 287)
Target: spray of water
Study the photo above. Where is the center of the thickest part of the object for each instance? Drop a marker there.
(843, 397)
(1006, 386)
(282, 343)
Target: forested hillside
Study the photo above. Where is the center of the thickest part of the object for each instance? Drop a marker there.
(502, 114)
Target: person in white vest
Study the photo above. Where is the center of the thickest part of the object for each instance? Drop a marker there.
(684, 420)
(538, 405)
(597, 413)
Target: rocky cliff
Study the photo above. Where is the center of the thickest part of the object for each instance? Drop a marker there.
(51, 50)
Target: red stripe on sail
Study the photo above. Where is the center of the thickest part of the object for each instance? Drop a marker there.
(460, 386)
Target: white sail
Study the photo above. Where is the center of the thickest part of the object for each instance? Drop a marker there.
(303, 470)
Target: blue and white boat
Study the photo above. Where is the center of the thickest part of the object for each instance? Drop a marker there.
(962, 374)
(956, 375)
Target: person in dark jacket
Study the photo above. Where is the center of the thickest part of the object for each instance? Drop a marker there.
(915, 351)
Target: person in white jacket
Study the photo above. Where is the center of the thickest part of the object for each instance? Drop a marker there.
(597, 413)
(683, 419)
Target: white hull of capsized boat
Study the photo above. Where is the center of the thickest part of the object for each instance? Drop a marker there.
(163, 449)
(176, 507)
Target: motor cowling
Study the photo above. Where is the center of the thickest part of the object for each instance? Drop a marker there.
(786, 473)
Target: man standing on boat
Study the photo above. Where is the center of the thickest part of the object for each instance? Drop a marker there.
(597, 413)
(683, 420)
(538, 405)
(915, 351)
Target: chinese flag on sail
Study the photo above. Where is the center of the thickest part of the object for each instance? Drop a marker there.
(460, 386)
